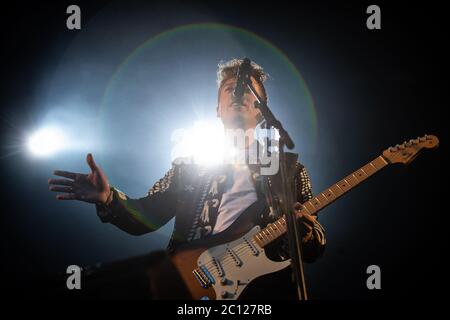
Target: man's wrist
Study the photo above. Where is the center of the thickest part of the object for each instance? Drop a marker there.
(103, 209)
(109, 199)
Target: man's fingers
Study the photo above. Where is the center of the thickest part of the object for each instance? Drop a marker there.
(61, 182)
(308, 226)
(61, 189)
(67, 196)
(65, 174)
(308, 219)
(297, 206)
(90, 161)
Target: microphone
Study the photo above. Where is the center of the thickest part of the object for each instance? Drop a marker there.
(242, 77)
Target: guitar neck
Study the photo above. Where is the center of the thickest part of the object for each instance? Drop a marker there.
(277, 229)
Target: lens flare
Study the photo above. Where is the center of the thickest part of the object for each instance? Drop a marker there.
(45, 142)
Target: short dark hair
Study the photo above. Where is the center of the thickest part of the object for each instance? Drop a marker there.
(229, 69)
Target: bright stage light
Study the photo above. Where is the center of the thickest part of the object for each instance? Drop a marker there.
(204, 142)
(208, 143)
(45, 142)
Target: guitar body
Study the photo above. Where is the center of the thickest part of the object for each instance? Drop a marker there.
(220, 267)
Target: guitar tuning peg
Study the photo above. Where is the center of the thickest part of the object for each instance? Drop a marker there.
(402, 146)
(422, 139)
(427, 137)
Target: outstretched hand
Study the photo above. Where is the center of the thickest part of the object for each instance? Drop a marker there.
(92, 187)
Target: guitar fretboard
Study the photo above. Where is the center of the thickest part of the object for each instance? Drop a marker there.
(277, 229)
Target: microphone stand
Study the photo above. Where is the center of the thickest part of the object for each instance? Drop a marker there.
(285, 196)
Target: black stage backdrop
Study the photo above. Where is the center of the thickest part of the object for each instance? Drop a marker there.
(371, 89)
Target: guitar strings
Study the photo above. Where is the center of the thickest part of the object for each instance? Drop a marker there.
(235, 249)
(226, 255)
(226, 258)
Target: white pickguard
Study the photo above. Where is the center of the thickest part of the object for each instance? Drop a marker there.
(237, 276)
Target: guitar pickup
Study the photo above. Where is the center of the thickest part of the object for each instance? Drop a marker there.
(235, 257)
(218, 267)
(254, 250)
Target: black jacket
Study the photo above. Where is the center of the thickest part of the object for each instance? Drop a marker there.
(192, 195)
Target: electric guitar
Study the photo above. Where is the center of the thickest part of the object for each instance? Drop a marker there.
(222, 266)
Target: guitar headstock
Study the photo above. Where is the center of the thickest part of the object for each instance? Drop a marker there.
(408, 150)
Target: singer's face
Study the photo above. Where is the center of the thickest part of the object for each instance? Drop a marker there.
(238, 113)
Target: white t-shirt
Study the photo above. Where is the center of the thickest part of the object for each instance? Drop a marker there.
(239, 194)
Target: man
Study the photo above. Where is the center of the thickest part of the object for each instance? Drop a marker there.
(205, 201)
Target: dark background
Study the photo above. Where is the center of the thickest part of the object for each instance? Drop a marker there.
(372, 89)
